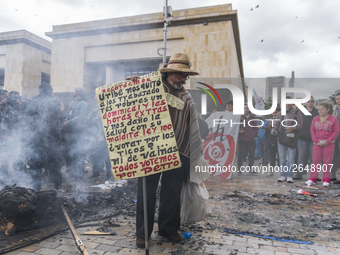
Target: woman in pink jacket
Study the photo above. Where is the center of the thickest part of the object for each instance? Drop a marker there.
(324, 130)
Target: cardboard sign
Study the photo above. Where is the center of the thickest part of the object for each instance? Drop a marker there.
(137, 127)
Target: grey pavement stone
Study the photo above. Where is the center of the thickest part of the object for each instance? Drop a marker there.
(105, 240)
(69, 253)
(47, 251)
(215, 251)
(66, 241)
(259, 241)
(301, 251)
(326, 252)
(261, 252)
(91, 244)
(18, 253)
(234, 238)
(126, 243)
(111, 248)
(48, 244)
(95, 252)
(68, 248)
(286, 244)
(313, 247)
(246, 244)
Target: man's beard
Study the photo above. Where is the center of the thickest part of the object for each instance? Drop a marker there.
(178, 85)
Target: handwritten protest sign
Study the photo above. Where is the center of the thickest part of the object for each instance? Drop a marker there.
(138, 127)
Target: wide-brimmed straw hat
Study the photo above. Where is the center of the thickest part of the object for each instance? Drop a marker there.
(178, 63)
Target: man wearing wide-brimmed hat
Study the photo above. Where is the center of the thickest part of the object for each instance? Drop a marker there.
(185, 125)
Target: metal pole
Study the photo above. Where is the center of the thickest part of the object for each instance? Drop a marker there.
(165, 31)
(145, 206)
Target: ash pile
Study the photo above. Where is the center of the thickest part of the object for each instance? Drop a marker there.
(27, 216)
(287, 215)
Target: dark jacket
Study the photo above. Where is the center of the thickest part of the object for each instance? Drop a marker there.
(8, 119)
(44, 119)
(77, 117)
(290, 114)
(250, 132)
(304, 133)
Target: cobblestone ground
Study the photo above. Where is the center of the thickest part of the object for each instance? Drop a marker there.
(211, 241)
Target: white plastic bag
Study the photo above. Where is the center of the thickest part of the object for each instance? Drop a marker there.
(199, 171)
(194, 203)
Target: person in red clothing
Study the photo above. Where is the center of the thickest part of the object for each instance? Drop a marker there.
(324, 131)
(246, 141)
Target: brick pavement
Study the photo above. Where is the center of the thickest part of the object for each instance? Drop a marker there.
(214, 241)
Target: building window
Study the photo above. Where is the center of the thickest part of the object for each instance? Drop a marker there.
(2, 77)
(45, 77)
(140, 71)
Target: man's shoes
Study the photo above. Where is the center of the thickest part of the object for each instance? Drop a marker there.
(333, 179)
(140, 242)
(310, 183)
(282, 179)
(174, 238)
(290, 180)
(297, 176)
(325, 184)
(336, 182)
(318, 179)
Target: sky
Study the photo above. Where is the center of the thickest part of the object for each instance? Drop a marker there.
(277, 36)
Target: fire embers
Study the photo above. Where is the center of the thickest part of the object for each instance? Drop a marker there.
(15, 202)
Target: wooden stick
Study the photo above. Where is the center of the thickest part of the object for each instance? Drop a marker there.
(79, 242)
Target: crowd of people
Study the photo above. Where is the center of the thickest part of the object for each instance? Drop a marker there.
(41, 134)
(304, 145)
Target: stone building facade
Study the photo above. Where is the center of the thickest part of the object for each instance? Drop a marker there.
(25, 61)
(94, 53)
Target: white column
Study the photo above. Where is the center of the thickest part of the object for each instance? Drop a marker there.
(109, 74)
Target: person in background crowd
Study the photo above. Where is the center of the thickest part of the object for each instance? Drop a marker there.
(324, 131)
(8, 128)
(246, 140)
(74, 130)
(336, 114)
(305, 143)
(44, 125)
(287, 167)
(99, 150)
(263, 139)
(203, 125)
(189, 143)
(272, 144)
(229, 106)
(3, 131)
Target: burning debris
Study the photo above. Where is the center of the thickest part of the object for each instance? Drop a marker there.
(34, 216)
(15, 203)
